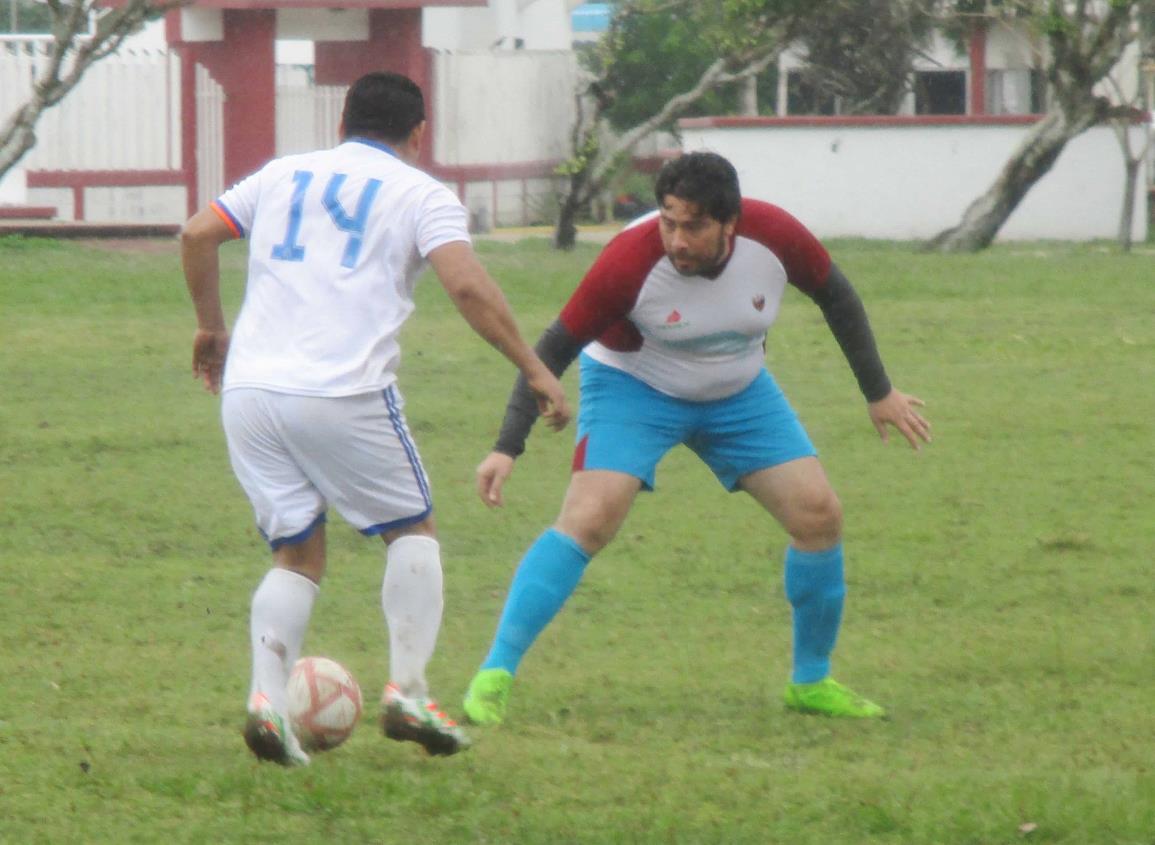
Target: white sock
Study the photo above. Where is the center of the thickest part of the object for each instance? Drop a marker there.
(412, 601)
(282, 605)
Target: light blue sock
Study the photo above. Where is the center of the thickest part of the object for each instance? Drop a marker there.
(546, 577)
(816, 588)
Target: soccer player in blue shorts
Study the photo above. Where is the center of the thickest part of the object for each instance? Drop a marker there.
(670, 325)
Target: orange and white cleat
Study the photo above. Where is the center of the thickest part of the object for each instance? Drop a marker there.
(420, 720)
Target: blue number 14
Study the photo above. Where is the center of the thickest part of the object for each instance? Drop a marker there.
(290, 250)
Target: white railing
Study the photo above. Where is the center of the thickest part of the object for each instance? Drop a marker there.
(123, 115)
(210, 99)
(308, 116)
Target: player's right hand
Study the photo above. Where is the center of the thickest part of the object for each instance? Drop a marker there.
(210, 348)
(551, 402)
(491, 475)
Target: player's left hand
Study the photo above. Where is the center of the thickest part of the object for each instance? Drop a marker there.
(491, 476)
(209, 351)
(898, 409)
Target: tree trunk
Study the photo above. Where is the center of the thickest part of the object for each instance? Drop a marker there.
(749, 97)
(1127, 213)
(565, 234)
(1033, 159)
(1132, 161)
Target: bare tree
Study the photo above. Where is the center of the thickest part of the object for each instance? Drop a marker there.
(1086, 39)
(83, 33)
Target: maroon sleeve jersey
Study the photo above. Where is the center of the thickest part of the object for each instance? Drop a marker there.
(693, 337)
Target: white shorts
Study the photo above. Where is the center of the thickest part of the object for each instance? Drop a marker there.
(294, 455)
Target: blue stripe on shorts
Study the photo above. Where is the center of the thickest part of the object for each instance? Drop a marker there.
(398, 422)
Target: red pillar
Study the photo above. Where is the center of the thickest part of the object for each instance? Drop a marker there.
(188, 131)
(188, 110)
(244, 64)
(978, 69)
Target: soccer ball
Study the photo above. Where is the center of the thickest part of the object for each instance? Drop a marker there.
(324, 703)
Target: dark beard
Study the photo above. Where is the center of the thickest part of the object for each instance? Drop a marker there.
(715, 265)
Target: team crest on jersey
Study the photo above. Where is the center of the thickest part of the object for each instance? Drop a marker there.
(674, 320)
(759, 302)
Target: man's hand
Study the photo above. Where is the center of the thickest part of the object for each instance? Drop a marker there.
(209, 351)
(491, 475)
(551, 401)
(898, 409)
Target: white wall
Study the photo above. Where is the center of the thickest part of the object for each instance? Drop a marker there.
(911, 182)
(14, 187)
(503, 107)
(546, 25)
(152, 204)
(538, 24)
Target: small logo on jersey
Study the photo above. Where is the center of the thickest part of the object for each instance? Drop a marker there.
(759, 302)
(674, 317)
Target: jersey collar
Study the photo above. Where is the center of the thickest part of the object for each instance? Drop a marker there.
(377, 145)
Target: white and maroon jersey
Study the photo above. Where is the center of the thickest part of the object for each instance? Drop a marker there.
(693, 337)
(337, 239)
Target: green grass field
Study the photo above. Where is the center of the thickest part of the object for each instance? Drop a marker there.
(1001, 599)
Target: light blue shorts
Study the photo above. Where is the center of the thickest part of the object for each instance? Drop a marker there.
(626, 426)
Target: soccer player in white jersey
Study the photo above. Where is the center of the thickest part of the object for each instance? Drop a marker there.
(670, 323)
(311, 409)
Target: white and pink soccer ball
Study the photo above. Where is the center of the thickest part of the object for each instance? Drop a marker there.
(324, 703)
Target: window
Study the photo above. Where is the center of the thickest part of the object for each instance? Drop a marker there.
(1015, 91)
(940, 92)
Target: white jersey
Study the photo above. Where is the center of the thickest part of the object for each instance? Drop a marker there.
(693, 337)
(337, 239)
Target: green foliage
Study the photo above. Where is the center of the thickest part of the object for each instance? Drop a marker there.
(649, 57)
(582, 158)
(1000, 588)
(25, 17)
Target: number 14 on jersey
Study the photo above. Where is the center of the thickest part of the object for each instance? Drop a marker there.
(290, 249)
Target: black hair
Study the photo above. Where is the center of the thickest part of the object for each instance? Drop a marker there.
(386, 106)
(705, 179)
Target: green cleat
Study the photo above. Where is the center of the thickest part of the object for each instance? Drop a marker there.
(830, 698)
(488, 694)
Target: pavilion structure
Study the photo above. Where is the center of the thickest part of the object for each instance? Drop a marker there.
(235, 41)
